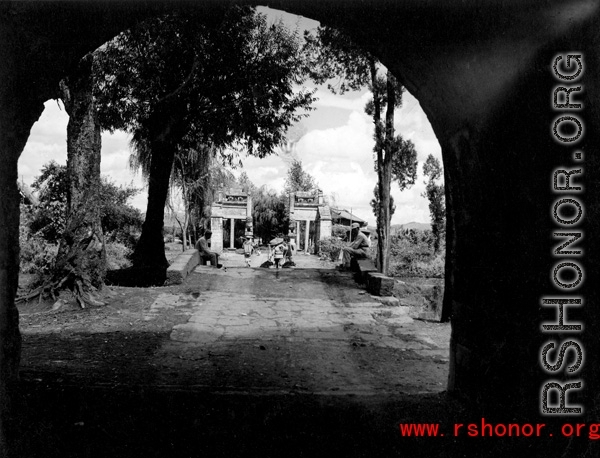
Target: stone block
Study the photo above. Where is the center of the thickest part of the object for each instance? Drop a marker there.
(389, 301)
(379, 284)
(362, 267)
(403, 289)
(182, 266)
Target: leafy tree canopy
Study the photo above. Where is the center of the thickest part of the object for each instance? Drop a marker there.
(49, 216)
(404, 162)
(298, 179)
(246, 184)
(270, 213)
(335, 60)
(231, 85)
(432, 168)
(435, 193)
(376, 204)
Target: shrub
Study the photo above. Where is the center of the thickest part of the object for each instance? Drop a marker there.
(426, 269)
(120, 221)
(117, 256)
(434, 268)
(340, 231)
(331, 247)
(412, 255)
(36, 254)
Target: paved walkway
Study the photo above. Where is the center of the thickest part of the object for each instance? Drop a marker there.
(309, 327)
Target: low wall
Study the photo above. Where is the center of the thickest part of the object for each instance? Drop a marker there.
(182, 266)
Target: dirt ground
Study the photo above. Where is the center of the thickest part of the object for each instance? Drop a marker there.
(117, 345)
(109, 381)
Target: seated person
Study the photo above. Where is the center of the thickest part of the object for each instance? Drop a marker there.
(358, 247)
(278, 253)
(205, 253)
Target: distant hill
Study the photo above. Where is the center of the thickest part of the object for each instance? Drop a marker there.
(412, 225)
(395, 228)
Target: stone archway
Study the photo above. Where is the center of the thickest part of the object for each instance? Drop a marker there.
(305, 207)
(482, 72)
(230, 205)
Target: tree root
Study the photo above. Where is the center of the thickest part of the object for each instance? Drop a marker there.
(82, 291)
(69, 272)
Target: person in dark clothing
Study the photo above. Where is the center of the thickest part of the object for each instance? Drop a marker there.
(358, 247)
(205, 252)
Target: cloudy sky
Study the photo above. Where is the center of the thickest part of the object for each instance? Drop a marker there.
(336, 150)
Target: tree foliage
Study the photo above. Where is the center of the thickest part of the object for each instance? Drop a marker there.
(51, 244)
(191, 177)
(196, 179)
(344, 66)
(246, 184)
(404, 172)
(337, 61)
(178, 81)
(49, 216)
(298, 179)
(270, 213)
(119, 219)
(376, 204)
(404, 162)
(412, 255)
(434, 192)
(234, 81)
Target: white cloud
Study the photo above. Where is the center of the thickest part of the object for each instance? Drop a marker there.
(47, 142)
(341, 161)
(350, 142)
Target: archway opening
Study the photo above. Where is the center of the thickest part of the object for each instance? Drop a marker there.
(380, 322)
(490, 109)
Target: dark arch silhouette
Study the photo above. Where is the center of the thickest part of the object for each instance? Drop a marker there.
(482, 72)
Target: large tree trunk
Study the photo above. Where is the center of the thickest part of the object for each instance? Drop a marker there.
(384, 136)
(81, 257)
(163, 127)
(381, 237)
(150, 249)
(164, 130)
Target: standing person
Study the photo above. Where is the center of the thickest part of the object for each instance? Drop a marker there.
(278, 254)
(205, 253)
(289, 253)
(248, 246)
(358, 247)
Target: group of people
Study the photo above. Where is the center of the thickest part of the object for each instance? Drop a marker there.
(282, 249)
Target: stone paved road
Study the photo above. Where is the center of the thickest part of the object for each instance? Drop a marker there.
(309, 328)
